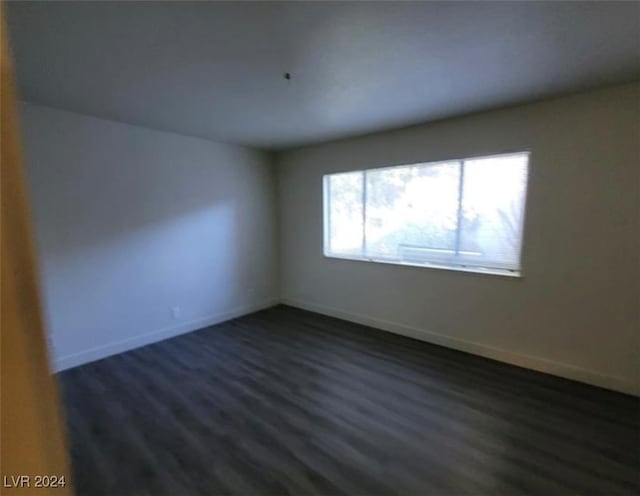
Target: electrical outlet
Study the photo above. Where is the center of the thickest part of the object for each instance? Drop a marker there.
(176, 312)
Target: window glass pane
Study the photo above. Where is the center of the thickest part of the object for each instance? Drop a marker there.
(343, 195)
(466, 213)
(493, 210)
(411, 211)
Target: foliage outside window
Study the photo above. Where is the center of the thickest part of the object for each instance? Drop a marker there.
(460, 213)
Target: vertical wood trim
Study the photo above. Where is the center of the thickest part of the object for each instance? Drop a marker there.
(33, 440)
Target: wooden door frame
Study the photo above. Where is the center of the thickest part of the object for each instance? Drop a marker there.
(31, 422)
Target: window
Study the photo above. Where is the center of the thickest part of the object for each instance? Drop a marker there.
(465, 214)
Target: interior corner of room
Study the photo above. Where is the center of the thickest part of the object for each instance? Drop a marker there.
(144, 235)
(181, 177)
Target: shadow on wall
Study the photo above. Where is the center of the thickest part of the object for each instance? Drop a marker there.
(139, 230)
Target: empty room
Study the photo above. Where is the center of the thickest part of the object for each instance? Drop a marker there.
(320, 248)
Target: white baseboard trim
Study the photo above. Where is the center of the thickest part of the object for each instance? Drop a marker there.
(526, 361)
(93, 354)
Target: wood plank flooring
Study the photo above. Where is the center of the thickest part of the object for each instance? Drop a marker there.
(286, 401)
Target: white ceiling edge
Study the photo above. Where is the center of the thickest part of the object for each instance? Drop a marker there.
(354, 136)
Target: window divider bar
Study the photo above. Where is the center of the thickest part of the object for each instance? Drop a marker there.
(364, 212)
(327, 213)
(459, 213)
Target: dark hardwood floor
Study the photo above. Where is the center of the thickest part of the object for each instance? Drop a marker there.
(286, 401)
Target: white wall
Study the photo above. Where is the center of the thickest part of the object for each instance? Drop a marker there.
(132, 222)
(576, 311)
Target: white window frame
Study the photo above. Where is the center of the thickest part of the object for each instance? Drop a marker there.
(445, 264)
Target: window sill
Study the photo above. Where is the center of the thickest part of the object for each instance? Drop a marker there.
(473, 270)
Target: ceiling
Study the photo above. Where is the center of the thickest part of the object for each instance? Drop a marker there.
(215, 70)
